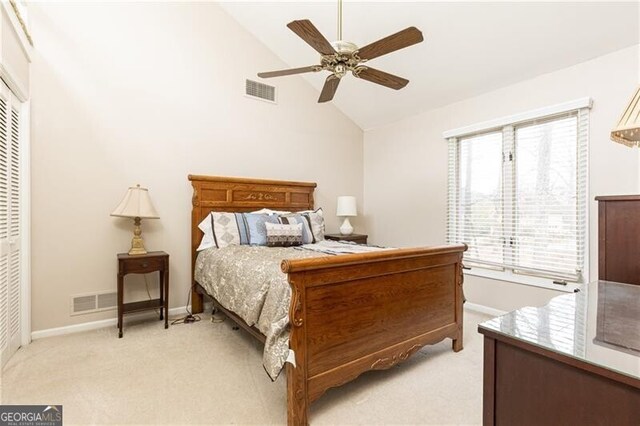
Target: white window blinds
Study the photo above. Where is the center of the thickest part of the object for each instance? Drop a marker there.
(517, 196)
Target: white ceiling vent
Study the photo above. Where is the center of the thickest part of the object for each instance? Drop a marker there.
(96, 302)
(257, 90)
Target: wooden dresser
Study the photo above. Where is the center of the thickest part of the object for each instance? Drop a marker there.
(575, 361)
(619, 238)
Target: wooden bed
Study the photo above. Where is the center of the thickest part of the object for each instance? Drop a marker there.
(350, 313)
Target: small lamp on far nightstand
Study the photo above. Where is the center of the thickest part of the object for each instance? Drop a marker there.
(137, 205)
(346, 208)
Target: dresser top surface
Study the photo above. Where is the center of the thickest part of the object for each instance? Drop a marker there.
(599, 325)
(618, 198)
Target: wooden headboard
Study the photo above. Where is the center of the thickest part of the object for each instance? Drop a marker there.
(232, 194)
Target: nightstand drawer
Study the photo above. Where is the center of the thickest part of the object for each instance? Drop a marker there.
(142, 265)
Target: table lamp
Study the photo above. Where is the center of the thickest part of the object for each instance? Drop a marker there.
(137, 205)
(346, 208)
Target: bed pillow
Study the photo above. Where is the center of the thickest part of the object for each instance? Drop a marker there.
(207, 234)
(316, 218)
(280, 235)
(269, 211)
(222, 229)
(298, 219)
(228, 229)
(255, 226)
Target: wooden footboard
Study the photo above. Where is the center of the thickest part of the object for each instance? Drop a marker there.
(354, 313)
(350, 313)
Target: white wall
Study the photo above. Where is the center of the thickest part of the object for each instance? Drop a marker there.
(127, 93)
(406, 162)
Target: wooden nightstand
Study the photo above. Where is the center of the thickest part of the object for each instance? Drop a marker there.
(356, 238)
(144, 264)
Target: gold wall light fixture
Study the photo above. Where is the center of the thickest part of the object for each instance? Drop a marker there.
(627, 131)
(136, 204)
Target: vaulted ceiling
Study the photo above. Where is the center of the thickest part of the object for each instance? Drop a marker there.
(469, 48)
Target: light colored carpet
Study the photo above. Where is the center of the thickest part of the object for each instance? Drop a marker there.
(207, 373)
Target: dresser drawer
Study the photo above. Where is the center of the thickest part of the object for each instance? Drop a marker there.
(142, 265)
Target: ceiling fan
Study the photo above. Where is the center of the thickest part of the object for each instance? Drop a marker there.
(341, 56)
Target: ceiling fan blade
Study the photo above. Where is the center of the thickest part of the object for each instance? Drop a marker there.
(269, 74)
(329, 88)
(309, 33)
(397, 41)
(380, 77)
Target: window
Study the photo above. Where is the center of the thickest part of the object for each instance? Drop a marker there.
(517, 196)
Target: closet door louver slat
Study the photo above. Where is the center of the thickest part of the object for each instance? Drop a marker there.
(4, 230)
(10, 232)
(14, 228)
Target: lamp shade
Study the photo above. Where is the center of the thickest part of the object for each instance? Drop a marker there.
(136, 203)
(346, 206)
(627, 131)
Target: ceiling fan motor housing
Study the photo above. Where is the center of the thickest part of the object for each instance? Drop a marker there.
(344, 60)
(344, 47)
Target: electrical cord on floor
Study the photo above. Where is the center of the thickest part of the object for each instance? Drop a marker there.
(189, 318)
(146, 284)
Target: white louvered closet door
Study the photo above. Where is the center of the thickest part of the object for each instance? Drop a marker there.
(10, 268)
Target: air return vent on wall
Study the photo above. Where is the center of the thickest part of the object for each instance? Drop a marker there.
(96, 302)
(261, 91)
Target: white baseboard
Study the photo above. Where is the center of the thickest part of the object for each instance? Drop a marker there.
(112, 322)
(94, 325)
(483, 309)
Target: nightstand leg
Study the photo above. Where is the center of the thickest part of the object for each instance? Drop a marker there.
(166, 297)
(161, 294)
(120, 299)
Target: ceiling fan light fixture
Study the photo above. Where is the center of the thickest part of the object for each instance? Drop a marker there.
(340, 70)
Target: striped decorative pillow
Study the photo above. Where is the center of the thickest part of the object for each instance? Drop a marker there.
(279, 235)
(316, 219)
(313, 224)
(303, 221)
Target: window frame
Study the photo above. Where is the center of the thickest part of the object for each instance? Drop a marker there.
(508, 126)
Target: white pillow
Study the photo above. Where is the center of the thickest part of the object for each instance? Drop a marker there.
(207, 237)
(269, 211)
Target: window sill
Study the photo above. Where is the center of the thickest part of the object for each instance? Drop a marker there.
(521, 279)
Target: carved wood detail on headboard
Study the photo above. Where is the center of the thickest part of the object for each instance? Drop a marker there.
(232, 194)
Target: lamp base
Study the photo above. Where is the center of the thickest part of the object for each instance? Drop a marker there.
(346, 228)
(137, 244)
